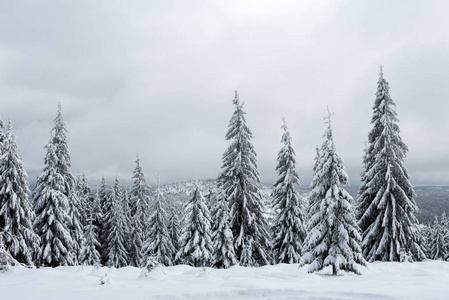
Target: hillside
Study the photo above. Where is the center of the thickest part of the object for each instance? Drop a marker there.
(431, 200)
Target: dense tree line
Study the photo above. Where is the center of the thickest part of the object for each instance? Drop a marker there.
(63, 222)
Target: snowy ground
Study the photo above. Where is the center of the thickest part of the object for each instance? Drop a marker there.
(424, 280)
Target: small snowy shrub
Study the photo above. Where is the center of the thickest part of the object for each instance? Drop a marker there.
(405, 256)
(105, 279)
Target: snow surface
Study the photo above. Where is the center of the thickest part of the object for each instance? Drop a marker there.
(421, 280)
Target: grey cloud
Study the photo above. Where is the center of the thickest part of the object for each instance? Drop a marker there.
(157, 79)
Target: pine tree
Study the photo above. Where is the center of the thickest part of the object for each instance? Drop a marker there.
(158, 241)
(241, 185)
(2, 132)
(386, 208)
(174, 228)
(129, 223)
(210, 200)
(84, 210)
(214, 202)
(75, 227)
(445, 228)
(333, 235)
(84, 194)
(116, 253)
(426, 236)
(61, 163)
(16, 214)
(6, 259)
(196, 244)
(289, 229)
(103, 221)
(223, 240)
(52, 221)
(97, 222)
(439, 239)
(89, 254)
(139, 211)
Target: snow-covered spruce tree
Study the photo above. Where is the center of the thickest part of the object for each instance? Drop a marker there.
(439, 239)
(6, 259)
(52, 223)
(89, 254)
(174, 230)
(386, 208)
(333, 235)
(16, 213)
(86, 201)
(445, 228)
(139, 212)
(129, 222)
(196, 244)
(116, 253)
(63, 164)
(103, 221)
(158, 241)
(76, 227)
(2, 133)
(97, 219)
(288, 228)
(213, 202)
(126, 210)
(426, 236)
(210, 200)
(223, 240)
(240, 183)
(85, 211)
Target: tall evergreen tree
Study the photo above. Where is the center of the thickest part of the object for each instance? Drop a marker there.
(333, 235)
(16, 213)
(97, 220)
(61, 164)
(426, 236)
(103, 220)
(89, 254)
(86, 201)
(2, 131)
(240, 182)
(139, 212)
(64, 162)
(86, 215)
(223, 240)
(210, 200)
(158, 242)
(52, 223)
(129, 223)
(214, 205)
(174, 230)
(289, 229)
(116, 252)
(196, 244)
(6, 260)
(386, 208)
(75, 213)
(439, 242)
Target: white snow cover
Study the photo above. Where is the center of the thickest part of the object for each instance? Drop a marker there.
(381, 280)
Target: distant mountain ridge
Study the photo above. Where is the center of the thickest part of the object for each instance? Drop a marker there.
(431, 200)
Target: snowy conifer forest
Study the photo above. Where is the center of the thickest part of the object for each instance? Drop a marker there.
(162, 235)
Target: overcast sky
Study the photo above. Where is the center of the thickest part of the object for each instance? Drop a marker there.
(157, 79)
